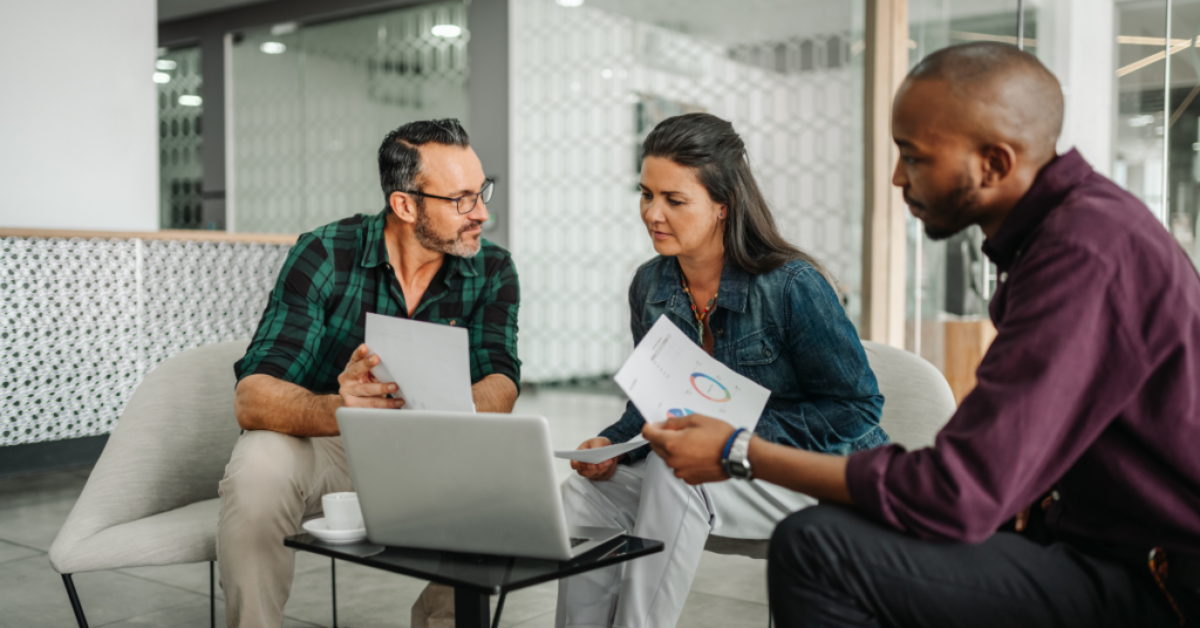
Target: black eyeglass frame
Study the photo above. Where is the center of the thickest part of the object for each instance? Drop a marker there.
(485, 192)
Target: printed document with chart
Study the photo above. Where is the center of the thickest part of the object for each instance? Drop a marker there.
(669, 375)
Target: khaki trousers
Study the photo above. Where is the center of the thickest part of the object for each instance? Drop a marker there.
(272, 483)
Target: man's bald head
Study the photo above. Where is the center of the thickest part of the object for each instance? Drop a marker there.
(1000, 93)
(974, 124)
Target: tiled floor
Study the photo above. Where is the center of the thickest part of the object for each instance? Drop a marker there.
(728, 591)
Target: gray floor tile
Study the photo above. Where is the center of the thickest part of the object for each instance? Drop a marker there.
(8, 552)
(714, 611)
(367, 597)
(32, 594)
(526, 604)
(736, 577)
(192, 576)
(42, 487)
(36, 524)
(545, 620)
(189, 615)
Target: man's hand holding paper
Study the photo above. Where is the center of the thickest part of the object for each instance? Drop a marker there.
(669, 377)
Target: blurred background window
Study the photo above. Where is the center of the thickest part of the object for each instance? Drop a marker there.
(590, 80)
(311, 104)
(180, 138)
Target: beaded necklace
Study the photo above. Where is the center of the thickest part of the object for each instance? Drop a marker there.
(700, 315)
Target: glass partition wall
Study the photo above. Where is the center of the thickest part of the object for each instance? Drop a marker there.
(1153, 110)
(180, 138)
(589, 82)
(311, 103)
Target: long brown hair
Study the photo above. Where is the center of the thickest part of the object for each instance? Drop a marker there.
(711, 147)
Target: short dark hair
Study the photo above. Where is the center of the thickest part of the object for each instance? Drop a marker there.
(994, 74)
(711, 147)
(399, 159)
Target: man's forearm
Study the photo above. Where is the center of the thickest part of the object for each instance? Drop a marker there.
(267, 403)
(494, 393)
(819, 475)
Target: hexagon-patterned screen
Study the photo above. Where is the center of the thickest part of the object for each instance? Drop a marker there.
(180, 138)
(84, 320)
(312, 104)
(590, 82)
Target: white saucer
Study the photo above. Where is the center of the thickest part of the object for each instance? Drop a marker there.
(320, 529)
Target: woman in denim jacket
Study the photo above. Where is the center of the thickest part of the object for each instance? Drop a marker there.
(726, 278)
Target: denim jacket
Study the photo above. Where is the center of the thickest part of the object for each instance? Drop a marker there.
(784, 329)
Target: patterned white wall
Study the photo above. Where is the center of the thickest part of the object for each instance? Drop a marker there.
(84, 320)
(576, 232)
(308, 122)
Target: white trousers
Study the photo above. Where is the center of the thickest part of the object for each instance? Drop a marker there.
(647, 500)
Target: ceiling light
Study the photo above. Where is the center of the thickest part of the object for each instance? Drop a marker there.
(165, 64)
(446, 30)
(569, 3)
(285, 28)
(1140, 121)
(188, 100)
(272, 47)
(162, 77)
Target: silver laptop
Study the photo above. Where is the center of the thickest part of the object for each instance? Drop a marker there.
(480, 483)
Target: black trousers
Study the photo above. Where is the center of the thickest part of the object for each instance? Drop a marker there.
(832, 566)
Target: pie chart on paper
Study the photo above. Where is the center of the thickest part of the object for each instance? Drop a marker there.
(710, 388)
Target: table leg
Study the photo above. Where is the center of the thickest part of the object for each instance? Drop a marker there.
(471, 608)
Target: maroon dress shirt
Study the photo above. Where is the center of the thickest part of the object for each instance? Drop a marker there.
(1091, 389)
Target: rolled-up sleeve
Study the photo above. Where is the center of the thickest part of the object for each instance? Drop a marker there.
(496, 351)
(286, 342)
(1046, 390)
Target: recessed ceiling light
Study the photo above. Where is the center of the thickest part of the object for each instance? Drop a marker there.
(162, 77)
(285, 28)
(165, 64)
(1140, 121)
(446, 30)
(272, 47)
(188, 100)
(569, 3)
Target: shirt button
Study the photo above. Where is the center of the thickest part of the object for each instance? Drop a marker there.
(1055, 496)
(1003, 277)
(718, 332)
(767, 351)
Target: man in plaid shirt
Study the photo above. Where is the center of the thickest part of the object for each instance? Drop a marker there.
(422, 257)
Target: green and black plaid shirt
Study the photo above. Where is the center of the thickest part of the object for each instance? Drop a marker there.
(335, 275)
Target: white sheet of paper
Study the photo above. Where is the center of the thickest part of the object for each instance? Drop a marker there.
(670, 375)
(429, 362)
(600, 454)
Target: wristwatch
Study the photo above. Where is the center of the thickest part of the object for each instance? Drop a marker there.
(737, 464)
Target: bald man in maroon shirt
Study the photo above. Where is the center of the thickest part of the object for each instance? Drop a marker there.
(1083, 433)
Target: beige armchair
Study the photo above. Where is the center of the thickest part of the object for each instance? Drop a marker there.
(917, 402)
(152, 497)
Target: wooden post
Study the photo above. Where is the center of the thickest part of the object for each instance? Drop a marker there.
(966, 344)
(884, 214)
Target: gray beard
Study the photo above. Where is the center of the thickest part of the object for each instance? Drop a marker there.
(455, 246)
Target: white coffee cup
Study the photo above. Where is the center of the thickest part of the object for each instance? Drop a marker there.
(342, 511)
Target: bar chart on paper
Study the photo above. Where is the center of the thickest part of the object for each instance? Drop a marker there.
(669, 375)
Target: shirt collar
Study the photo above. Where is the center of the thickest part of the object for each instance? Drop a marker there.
(731, 294)
(374, 247)
(1052, 184)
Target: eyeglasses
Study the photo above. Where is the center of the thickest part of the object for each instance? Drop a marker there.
(464, 204)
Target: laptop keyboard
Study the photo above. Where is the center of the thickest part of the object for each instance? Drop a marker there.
(577, 542)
